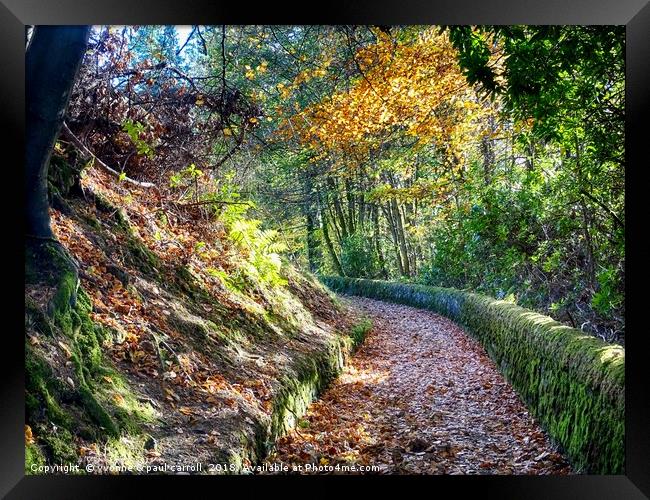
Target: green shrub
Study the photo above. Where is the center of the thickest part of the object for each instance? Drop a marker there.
(357, 257)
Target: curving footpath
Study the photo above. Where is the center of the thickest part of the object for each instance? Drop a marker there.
(420, 397)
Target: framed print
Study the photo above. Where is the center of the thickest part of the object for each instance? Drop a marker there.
(380, 240)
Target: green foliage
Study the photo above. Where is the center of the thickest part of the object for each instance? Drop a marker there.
(357, 257)
(573, 383)
(473, 56)
(134, 129)
(360, 330)
(185, 177)
(34, 457)
(607, 298)
(261, 247)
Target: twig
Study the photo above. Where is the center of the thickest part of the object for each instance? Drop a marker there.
(89, 154)
(209, 202)
(187, 40)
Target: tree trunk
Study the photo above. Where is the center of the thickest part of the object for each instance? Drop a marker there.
(399, 230)
(313, 250)
(380, 255)
(393, 232)
(312, 242)
(337, 208)
(351, 206)
(328, 240)
(52, 62)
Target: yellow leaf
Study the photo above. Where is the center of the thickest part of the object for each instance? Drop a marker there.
(29, 437)
(185, 410)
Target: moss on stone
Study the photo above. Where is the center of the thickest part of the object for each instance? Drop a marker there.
(572, 382)
(359, 331)
(34, 458)
(308, 378)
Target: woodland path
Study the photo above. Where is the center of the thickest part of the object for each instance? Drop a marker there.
(421, 396)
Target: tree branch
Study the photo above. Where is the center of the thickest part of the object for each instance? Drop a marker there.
(65, 130)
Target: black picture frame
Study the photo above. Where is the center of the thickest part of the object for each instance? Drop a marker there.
(634, 14)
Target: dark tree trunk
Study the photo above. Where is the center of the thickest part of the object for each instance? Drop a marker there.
(52, 62)
(399, 231)
(337, 207)
(351, 206)
(328, 240)
(313, 250)
(380, 255)
(393, 231)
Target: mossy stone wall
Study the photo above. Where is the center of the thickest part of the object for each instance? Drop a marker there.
(573, 383)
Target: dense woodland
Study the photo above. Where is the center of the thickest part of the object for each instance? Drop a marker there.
(186, 185)
(489, 159)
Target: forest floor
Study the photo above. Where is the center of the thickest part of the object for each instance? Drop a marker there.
(420, 397)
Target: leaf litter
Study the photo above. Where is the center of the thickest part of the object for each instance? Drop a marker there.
(421, 397)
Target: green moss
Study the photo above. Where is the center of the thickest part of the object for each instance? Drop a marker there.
(97, 411)
(308, 379)
(58, 443)
(36, 318)
(129, 414)
(90, 408)
(360, 330)
(572, 382)
(103, 205)
(62, 176)
(141, 257)
(34, 458)
(126, 451)
(93, 222)
(43, 390)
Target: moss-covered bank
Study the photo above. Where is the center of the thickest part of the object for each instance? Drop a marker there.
(305, 381)
(310, 377)
(572, 382)
(73, 392)
(75, 395)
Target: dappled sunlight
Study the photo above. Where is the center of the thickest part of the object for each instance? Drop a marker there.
(365, 376)
(204, 183)
(612, 354)
(420, 397)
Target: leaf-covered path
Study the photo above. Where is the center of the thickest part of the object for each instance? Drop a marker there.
(421, 396)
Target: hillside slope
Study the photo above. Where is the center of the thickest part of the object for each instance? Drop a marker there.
(181, 344)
